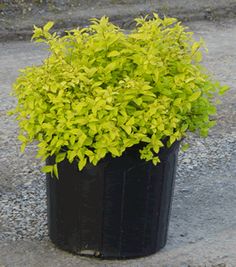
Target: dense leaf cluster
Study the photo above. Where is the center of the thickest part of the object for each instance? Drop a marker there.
(101, 91)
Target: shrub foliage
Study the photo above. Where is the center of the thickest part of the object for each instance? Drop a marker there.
(101, 91)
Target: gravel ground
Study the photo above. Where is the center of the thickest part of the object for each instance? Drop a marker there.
(204, 204)
(23, 208)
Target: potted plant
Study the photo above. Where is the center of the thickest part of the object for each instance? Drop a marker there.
(108, 110)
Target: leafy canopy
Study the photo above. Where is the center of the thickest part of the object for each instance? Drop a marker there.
(101, 91)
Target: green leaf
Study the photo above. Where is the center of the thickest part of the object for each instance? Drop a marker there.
(184, 147)
(72, 139)
(156, 160)
(211, 123)
(177, 102)
(71, 155)
(138, 101)
(101, 152)
(111, 66)
(113, 54)
(82, 163)
(172, 139)
(48, 168)
(198, 56)
(161, 127)
(223, 89)
(22, 138)
(48, 26)
(22, 148)
(38, 32)
(204, 132)
(195, 47)
(184, 127)
(54, 141)
(156, 76)
(60, 157)
(55, 171)
(156, 149)
(194, 96)
(130, 122)
(127, 128)
(114, 151)
(82, 139)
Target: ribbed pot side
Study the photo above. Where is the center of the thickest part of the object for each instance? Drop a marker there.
(117, 209)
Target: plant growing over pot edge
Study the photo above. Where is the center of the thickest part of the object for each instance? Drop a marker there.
(101, 91)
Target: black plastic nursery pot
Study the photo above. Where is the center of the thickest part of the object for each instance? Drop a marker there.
(117, 209)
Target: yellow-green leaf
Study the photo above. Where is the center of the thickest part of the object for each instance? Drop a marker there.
(22, 138)
(113, 54)
(223, 89)
(194, 96)
(184, 147)
(22, 148)
(195, 47)
(82, 163)
(48, 26)
(156, 160)
(114, 151)
(127, 128)
(47, 168)
(55, 170)
(60, 157)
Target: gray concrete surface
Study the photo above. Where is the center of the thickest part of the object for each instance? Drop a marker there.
(17, 20)
(203, 221)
